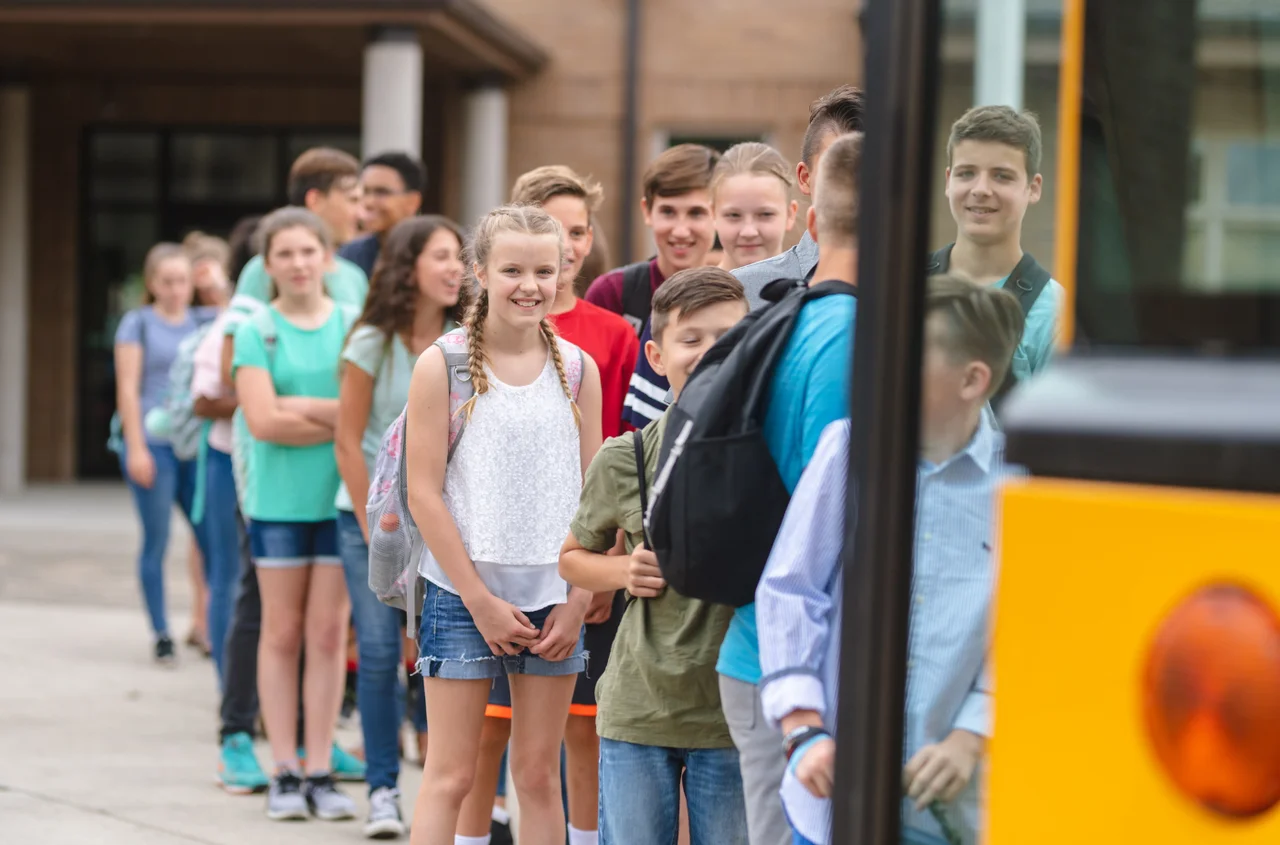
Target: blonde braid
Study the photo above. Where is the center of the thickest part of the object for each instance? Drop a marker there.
(476, 315)
(549, 333)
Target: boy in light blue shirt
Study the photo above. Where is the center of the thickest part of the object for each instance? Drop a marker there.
(970, 334)
(992, 179)
(810, 389)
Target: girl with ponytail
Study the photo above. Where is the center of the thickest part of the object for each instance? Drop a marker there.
(493, 515)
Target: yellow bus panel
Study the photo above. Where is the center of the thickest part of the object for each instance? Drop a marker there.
(1089, 571)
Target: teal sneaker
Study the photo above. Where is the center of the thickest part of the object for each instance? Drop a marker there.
(343, 765)
(238, 769)
(346, 767)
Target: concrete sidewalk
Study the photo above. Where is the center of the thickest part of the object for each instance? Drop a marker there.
(97, 744)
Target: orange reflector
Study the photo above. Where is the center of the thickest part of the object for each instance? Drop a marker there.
(1212, 700)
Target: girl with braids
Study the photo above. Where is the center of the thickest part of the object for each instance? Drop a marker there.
(611, 342)
(416, 294)
(493, 516)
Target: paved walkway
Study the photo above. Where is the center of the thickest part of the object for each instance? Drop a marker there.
(97, 744)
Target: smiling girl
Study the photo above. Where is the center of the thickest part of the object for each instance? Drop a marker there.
(751, 200)
(416, 294)
(493, 514)
(286, 377)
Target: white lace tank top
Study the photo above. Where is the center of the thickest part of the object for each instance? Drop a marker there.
(512, 487)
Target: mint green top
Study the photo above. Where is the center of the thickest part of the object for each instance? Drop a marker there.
(345, 283)
(391, 366)
(293, 483)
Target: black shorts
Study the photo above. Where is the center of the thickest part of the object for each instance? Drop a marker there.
(599, 643)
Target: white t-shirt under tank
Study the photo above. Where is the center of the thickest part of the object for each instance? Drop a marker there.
(512, 487)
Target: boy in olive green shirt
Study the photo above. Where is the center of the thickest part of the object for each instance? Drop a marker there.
(659, 715)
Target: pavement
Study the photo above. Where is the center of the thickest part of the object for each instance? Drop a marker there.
(98, 744)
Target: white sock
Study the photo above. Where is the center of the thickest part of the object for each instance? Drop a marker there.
(500, 815)
(583, 837)
(472, 840)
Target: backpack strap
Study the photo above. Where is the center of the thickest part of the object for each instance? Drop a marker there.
(458, 366)
(637, 438)
(262, 320)
(940, 261)
(637, 295)
(1027, 281)
(573, 365)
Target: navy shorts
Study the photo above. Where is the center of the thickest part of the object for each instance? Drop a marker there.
(451, 647)
(289, 545)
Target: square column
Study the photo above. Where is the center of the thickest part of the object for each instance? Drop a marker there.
(484, 151)
(999, 53)
(392, 101)
(15, 167)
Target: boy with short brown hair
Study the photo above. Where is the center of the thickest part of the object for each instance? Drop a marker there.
(325, 181)
(992, 179)
(677, 208)
(659, 718)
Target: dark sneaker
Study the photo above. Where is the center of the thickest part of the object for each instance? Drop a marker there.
(284, 799)
(500, 833)
(326, 801)
(385, 821)
(165, 653)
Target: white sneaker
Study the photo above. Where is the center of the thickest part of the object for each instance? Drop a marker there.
(284, 798)
(385, 821)
(326, 801)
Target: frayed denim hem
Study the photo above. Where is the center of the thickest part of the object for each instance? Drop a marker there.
(492, 666)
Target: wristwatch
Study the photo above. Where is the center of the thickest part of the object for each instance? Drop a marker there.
(800, 736)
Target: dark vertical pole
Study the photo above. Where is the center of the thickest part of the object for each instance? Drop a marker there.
(901, 81)
(630, 124)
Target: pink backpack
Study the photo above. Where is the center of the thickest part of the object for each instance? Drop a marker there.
(395, 544)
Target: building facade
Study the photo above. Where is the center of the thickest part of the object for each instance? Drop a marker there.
(131, 121)
(123, 122)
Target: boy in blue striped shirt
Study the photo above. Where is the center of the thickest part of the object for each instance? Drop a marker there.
(970, 335)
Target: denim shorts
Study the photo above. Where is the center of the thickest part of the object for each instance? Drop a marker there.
(451, 647)
(289, 545)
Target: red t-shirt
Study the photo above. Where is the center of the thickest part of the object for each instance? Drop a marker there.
(612, 344)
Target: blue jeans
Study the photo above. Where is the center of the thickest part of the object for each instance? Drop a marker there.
(640, 794)
(174, 482)
(380, 648)
(221, 546)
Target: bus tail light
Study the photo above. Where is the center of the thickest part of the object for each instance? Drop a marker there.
(1212, 700)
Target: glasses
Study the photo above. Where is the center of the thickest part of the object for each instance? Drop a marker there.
(385, 193)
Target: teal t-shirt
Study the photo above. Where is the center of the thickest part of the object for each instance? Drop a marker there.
(810, 390)
(293, 483)
(391, 366)
(1040, 333)
(345, 283)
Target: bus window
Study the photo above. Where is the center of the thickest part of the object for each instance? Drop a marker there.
(1179, 222)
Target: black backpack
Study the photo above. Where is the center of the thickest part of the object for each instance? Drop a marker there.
(718, 500)
(1026, 282)
(637, 295)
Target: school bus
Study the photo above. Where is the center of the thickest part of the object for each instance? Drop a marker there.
(1137, 625)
